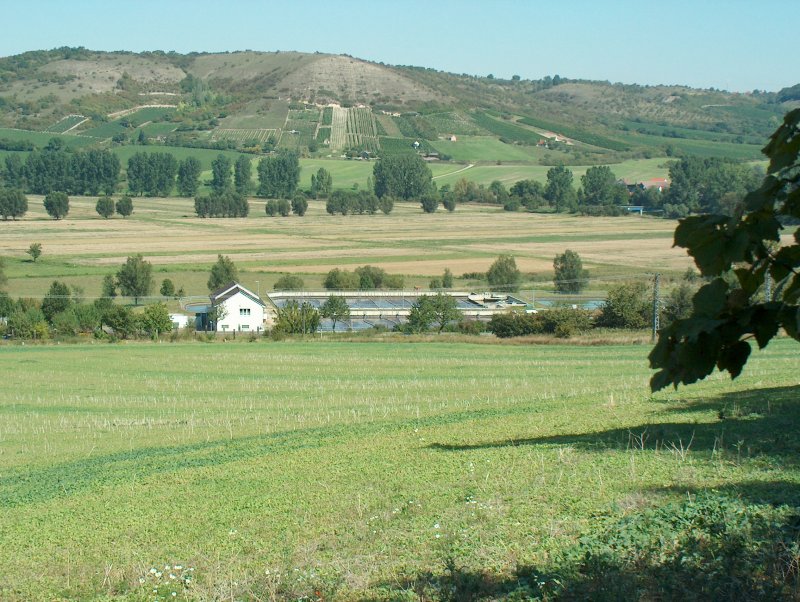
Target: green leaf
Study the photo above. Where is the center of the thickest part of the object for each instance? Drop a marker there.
(711, 299)
(764, 322)
(733, 357)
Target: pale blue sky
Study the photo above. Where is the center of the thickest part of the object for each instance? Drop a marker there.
(739, 45)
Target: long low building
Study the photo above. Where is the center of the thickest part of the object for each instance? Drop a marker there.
(391, 308)
(234, 308)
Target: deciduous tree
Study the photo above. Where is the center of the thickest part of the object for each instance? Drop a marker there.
(13, 203)
(559, 191)
(503, 275)
(222, 272)
(124, 206)
(335, 309)
(35, 251)
(242, 174)
(134, 278)
(57, 204)
(569, 275)
(724, 317)
(105, 206)
(189, 171)
(404, 176)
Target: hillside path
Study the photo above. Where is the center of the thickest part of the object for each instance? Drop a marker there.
(450, 173)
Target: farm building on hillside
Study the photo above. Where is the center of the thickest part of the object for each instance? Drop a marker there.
(236, 309)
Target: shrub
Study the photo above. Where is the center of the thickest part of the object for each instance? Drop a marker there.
(626, 306)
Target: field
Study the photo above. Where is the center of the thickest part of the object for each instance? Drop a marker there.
(382, 471)
(83, 247)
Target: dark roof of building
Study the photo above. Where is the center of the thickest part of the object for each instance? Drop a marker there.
(229, 290)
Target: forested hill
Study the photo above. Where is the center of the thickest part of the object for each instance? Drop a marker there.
(320, 103)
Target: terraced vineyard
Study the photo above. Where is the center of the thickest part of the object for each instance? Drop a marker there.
(66, 124)
(361, 129)
(338, 128)
(300, 128)
(244, 136)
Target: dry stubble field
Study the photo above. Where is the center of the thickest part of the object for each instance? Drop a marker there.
(83, 247)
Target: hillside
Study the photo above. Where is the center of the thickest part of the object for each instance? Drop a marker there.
(328, 105)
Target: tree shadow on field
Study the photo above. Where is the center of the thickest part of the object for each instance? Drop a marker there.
(749, 424)
(761, 421)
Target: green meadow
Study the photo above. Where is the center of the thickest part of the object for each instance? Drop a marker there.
(373, 471)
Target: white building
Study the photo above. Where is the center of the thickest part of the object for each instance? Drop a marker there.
(237, 309)
(179, 321)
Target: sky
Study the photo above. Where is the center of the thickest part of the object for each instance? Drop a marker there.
(736, 45)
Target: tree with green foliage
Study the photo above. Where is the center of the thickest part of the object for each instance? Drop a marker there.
(57, 204)
(222, 272)
(284, 207)
(429, 203)
(220, 174)
(189, 171)
(449, 202)
(626, 306)
(386, 204)
(278, 175)
(28, 323)
(498, 191)
(503, 274)
(134, 278)
(341, 280)
(152, 174)
(155, 320)
(599, 186)
(568, 273)
(678, 304)
(167, 288)
(3, 277)
(13, 203)
(444, 309)
(420, 316)
(447, 278)
(57, 299)
(227, 203)
(124, 206)
(335, 309)
(299, 204)
(404, 176)
(271, 208)
(321, 183)
(289, 282)
(35, 251)
(242, 174)
(121, 320)
(724, 315)
(531, 194)
(702, 184)
(297, 319)
(14, 174)
(109, 287)
(105, 206)
(559, 191)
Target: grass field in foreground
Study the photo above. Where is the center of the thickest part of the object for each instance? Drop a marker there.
(335, 471)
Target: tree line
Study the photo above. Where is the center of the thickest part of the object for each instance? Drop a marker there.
(697, 184)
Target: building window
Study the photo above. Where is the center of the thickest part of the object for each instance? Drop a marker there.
(244, 311)
(245, 327)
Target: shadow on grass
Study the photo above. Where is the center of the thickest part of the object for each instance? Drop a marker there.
(762, 421)
(710, 547)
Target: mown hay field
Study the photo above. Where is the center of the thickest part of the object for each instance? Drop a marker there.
(83, 247)
(339, 471)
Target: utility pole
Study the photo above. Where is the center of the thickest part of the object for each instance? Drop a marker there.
(656, 306)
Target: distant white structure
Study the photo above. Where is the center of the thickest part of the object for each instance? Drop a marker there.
(237, 309)
(179, 321)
